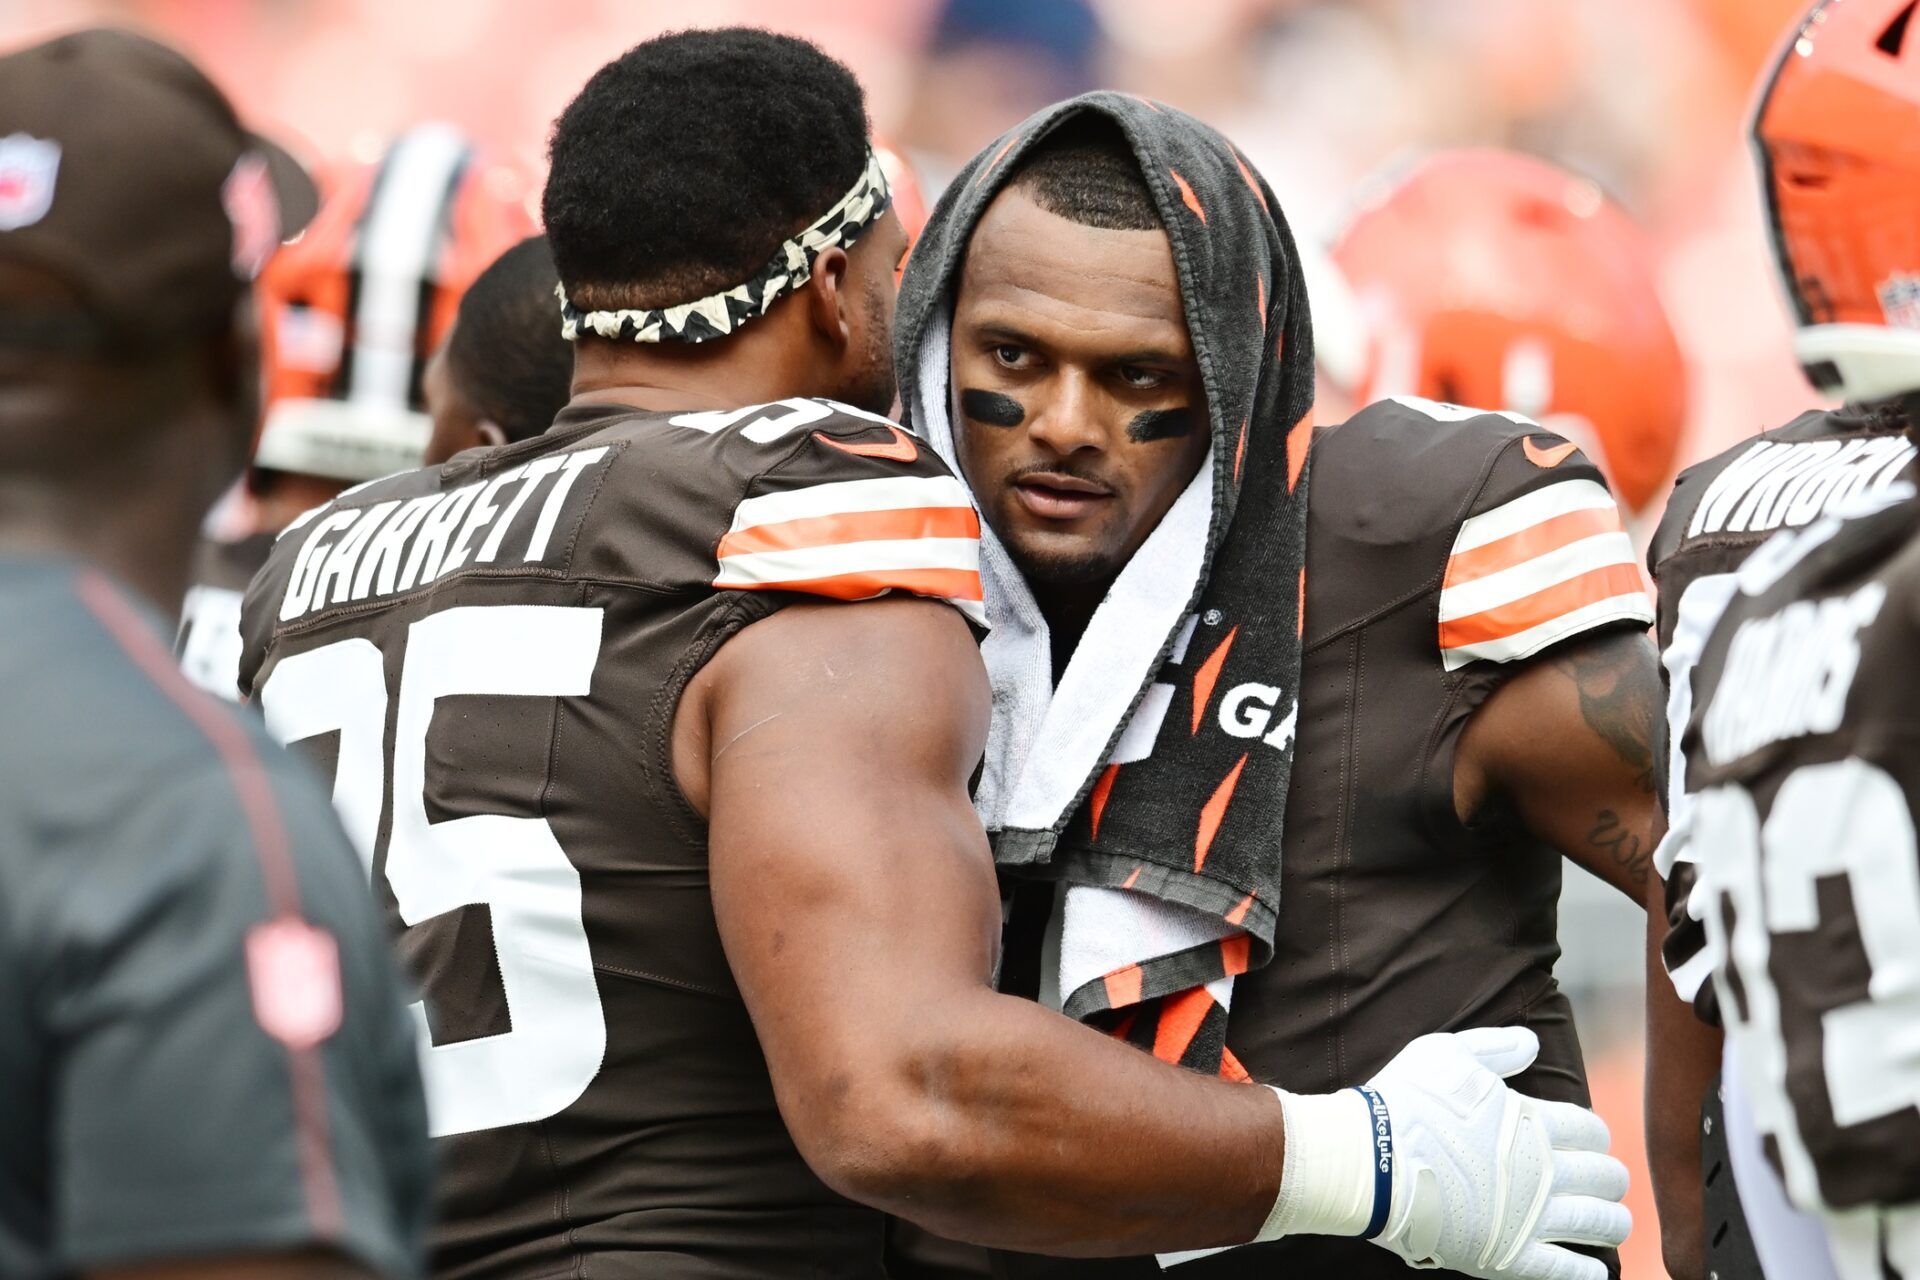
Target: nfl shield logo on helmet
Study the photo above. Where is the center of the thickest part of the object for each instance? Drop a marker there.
(254, 211)
(27, 168)
(1900, 300)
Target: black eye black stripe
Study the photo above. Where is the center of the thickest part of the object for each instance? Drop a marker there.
(992, 408)
(1161, 424)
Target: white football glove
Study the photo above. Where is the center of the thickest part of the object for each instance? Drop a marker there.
(1474, 1177)
(1488, 1181)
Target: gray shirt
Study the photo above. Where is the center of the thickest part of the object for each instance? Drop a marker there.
(203, 1045)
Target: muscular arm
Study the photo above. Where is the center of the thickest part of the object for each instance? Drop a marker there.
(1568, 745)
(1683, 1057)
(831, 747)
(1571, 745)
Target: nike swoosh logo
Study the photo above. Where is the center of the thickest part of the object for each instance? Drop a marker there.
(1546, 458)
(902, 448)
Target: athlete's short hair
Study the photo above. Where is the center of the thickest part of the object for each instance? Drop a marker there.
(685, 162)
(506, 354)
(1085, 171)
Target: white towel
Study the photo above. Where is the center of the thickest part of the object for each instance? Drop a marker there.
(1045, 742)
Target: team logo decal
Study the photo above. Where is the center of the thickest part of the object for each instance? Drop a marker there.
(254, 210)
(1548, 458)
(294, 971)
(27, 169)
(1900, 300)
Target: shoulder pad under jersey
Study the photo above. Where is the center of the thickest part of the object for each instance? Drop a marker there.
(805, 496)
(1509, 527)
(1783, 478)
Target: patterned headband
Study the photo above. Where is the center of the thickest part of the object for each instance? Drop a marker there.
(719, 314)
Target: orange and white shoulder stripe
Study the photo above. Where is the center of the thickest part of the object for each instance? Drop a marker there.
(1536, 569)
(857, 539)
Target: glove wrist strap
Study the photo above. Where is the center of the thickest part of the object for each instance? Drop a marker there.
(1334, 1183)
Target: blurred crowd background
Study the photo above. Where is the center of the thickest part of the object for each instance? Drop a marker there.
(1648, 98)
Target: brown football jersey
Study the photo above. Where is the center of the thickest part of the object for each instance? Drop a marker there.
(1445, 546)
(1803, 760)
(488, 655)
(1721, 509)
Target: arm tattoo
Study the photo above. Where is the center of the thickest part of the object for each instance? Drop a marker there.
(1621, 845)
(1620, 699)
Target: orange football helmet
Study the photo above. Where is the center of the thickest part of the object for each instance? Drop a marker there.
(1837, 136)
(352, 310)
(1495, 279)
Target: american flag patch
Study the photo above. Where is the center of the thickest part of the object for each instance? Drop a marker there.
(857, 539)
(1544, 566)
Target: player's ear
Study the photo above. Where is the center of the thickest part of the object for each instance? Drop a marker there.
(488, 434)
(829, 298)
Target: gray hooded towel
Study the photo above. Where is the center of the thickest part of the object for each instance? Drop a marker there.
(1153, 780)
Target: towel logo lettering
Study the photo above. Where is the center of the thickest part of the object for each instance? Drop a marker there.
(1247, 712)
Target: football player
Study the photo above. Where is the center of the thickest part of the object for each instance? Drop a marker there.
(1478, 697)
(350, 315)
(1828, 136)
(1493, 278)
(205, 1056)
(1489, 277)
(656, 733)
(504, 371)
(1801, 755)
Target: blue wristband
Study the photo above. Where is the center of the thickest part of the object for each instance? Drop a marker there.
(1383, 1161)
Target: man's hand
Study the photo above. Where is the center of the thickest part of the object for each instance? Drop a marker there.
(1438, 1161)
(1483, 1180)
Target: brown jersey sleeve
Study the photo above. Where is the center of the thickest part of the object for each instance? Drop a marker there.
(797, 496)
(856, 509)
(1541, 558)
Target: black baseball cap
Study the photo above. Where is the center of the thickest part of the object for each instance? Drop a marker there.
(125, 172)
